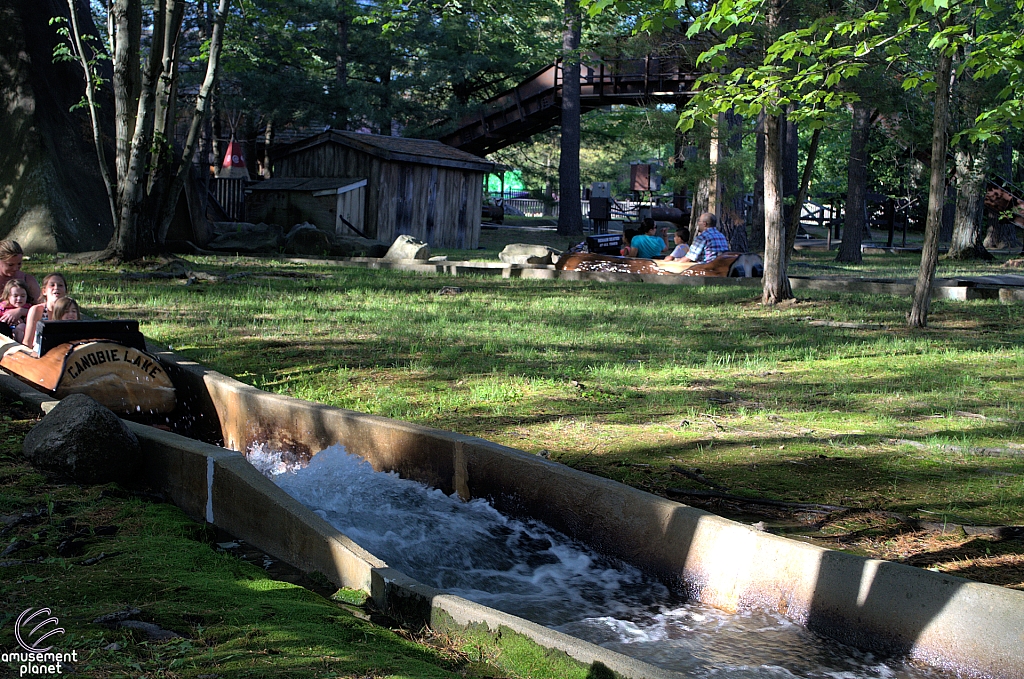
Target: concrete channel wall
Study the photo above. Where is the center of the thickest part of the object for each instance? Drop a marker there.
(871, 604)
(973, 628)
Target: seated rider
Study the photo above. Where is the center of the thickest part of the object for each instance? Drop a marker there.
(709, 243)
(646, 244)
(15, 298)
(681, 238)
(627, 238)
(54, 287)
(66, 309)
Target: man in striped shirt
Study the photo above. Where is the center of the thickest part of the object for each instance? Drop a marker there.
(709, 243)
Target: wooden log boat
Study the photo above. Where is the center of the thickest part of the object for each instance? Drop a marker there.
(727, 264)
(106, 360)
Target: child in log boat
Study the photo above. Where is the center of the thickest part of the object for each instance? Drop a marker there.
(15, 298)
(681, 240)
(66, 309)
(54, 287)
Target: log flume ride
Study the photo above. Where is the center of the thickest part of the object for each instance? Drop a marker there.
(106, 360)
(731, 264)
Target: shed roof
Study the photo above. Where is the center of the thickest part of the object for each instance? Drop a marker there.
(398, 149)
(313, 184)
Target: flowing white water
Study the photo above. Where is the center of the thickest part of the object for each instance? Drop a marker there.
(527, 569)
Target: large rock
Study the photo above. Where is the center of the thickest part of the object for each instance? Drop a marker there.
(82, 440)
(522, 253)
(354, 246)
(245, 237)
(307, 239)
(407, 247)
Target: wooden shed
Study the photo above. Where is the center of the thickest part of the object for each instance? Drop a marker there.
(337, 205)
(416, 187)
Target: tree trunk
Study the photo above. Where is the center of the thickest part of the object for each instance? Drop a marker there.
(198, 116)
(678, 162)
(548, 203)
(757, 229)
(918, 317)
(341, 65)
(84, 59)
(714, 158)
(1002, 234)
(266, 171)
(570, 216)
(857, 186)
(731, 219)
(968, 235)
(126, 16)
(790, 164)
(793, 226)
(776, 283)
(132, 232)
(702, 201)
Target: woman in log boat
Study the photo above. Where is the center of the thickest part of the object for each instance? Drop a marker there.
(11, 256)
(54, 287)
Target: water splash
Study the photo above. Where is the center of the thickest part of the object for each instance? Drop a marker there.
(525, 568)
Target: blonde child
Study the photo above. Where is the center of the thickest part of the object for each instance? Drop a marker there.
(66, 309)
(54, 287)
(15, 297)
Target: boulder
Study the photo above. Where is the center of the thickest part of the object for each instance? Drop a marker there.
(354, 246)
(245, 237)
(522, 253)
(84, 441)
(407, 247)
(307, 239)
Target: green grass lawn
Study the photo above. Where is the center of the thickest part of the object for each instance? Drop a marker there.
(603, 374)
(634, 382)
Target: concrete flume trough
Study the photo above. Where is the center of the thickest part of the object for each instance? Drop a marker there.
(973, 628)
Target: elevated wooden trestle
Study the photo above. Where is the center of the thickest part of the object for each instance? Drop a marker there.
(535, 104)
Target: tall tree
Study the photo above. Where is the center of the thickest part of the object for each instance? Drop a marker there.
(570, 216)
(150, 176)
(856, 181)
(918, 316)
(776, 283)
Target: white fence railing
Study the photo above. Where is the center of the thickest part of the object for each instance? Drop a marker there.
(625, 210)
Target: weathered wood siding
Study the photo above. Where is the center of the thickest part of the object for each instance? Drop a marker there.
(288, 208)
(439, 205)
(351, 206)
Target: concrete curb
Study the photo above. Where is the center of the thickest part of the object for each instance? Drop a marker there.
(951, 289)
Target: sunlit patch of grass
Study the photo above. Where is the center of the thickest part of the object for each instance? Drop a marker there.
(596, 373)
